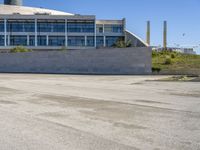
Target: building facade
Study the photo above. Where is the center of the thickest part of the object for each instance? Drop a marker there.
(42, 29)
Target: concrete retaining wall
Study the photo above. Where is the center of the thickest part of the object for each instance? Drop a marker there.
(91, 61)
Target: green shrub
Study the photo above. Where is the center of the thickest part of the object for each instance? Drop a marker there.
(19, 49)
(154, 53)
(168, 60)
(156, 69)
(120, 43)
(173, 56)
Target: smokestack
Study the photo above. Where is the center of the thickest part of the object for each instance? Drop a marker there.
(148, 35)
(165, 36)
(13, 2)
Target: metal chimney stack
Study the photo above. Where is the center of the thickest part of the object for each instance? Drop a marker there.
(148, 35)
(165, 36)
(13, 2)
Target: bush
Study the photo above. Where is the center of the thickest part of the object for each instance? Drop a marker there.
(156, 69)
(173, 56)
(120, 43)
(168, 60)
(19, 49)
(155, 54)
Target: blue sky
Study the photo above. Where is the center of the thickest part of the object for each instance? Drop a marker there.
(183, 16)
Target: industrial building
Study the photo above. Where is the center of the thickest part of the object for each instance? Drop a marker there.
(42, 29)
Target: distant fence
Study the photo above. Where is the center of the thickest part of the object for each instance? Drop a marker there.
(90, 61)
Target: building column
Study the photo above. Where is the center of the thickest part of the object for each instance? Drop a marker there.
(104, 41)
(47, 42)
(95, 34)
(5, 32)
(85, 41)
(104, 37)
(36, 44)
(8, 43)
(28, 40)
(66, 36)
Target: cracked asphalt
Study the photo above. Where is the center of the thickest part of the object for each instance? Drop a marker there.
(74, 112)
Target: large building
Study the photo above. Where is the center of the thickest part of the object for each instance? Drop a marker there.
(40, 29)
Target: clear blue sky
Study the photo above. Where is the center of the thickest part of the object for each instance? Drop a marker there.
(183, 16)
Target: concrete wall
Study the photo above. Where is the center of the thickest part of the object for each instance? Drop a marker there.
(91, 61)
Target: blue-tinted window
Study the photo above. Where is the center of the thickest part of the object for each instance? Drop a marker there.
(113, 28)
(90, 41)
(1, 26)
(1, 40)
(100, 41)
(44, 27)
(20, 26)
(51, 26)
(111, 40)
(76, 41)
(99, 28)
(29, 27)
(58, 27)
(18, 40)
(32, 40)
(42, 40)
(56, 40)
(80, 26)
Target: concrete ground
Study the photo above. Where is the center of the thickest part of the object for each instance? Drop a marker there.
(66, 112)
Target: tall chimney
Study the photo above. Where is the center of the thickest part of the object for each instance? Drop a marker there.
(165, 36)
(148, 35)
(13, 2)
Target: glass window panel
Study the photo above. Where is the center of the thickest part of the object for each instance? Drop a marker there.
(29, 27)
(113, 28)
(32, 41)
(14, 27)
(1, 26)
(100, 41)
(44, 27)
(99, 28)
(56, 40)
(42, 40)
(58, 27)
(20, 26)
(51, 26)
(1, 40)
(76, 41)
(80, 26)
(90, 41)
(18, 40)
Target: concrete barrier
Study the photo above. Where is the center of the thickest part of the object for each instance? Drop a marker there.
(90, 61)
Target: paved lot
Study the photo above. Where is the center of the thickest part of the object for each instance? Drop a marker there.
(66, 112)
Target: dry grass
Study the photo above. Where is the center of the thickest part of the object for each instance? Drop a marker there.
(180, 63)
